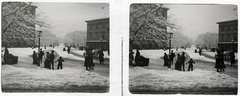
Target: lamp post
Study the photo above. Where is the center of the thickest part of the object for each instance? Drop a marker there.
(39, 34)
(170, 34)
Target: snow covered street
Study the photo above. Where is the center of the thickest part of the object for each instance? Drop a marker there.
(25, 76)
(156, 78)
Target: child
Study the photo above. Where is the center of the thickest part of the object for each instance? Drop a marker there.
(60, 60)
(190, 66)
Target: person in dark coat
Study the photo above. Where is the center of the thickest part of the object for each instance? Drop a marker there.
(34, 57)
(131, 57)
(178, 63)
(47, 61)
(88, 61)
(68, 50)
(172, 55)
(222, 65)
(137, 56)
(6, 53)
(183, 58)
(190, 66)
(218, 61)
(41, 54)
(60, 62)
(52, 57)
(101, 56)
(232, 58)
(200, 51)
(165, 58)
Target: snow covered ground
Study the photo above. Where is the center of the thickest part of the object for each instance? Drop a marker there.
(28, 76)
(157, 77)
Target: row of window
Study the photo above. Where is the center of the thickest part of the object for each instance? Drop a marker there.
(228, 28)
(97, 36)
(228, 37)
(98, 26)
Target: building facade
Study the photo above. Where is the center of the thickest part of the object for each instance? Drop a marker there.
(98, 34)
(228, 35)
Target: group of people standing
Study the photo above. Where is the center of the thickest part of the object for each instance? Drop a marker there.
(180, 61)
(88, 63)
(49, 59)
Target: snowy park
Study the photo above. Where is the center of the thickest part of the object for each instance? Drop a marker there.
(157, 79)
(26, 77)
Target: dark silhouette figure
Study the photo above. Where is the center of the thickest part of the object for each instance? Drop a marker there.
(52, 56)
(178, 63)
(6, 53)
(60, 62)
(219, 65)
(101, 56)
(183, 61)
(137, 56)
(190, 66)
(34, 57)
(68, 50)
(47, 61)
(88, 63)
(200, 51)
(232, 58)
(131, 57)
(172, 55)
(41, 54)
(165, 58)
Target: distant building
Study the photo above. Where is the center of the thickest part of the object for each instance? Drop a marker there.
(228, 35)
(98, 34)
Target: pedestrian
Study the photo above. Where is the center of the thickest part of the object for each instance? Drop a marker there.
(41, 54)
(68, 50)
(131, 57)
(34, 56)
(165, 59)
(101, 56)
(52, 57)
(232, 58)
(137, 57)
(47, 61)
(190, 66)
(88, 61)
(183, 58)
(178, 62)
(200, 51)
(172, 55)
(60, 62)
(222, 65)
(6, 54)
(91, 61)
(219, 61)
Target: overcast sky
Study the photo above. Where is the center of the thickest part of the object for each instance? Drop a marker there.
(67, 17)
(197, 19)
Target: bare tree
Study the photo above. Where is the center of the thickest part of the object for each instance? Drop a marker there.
(207, 40)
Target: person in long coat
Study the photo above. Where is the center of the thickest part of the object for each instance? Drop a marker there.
(183, 58)
(137, 56)
(165, 58)
(52, 57)
(34, 57)
(172, 55)
(222, 65)
(232, 58)
(178, 63)
(218, 61)
(47, 61)
(41, 54)
(131, 57)
(101, 56)
(88, 63)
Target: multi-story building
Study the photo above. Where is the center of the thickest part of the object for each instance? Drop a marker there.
(98, 34)
(228, 35)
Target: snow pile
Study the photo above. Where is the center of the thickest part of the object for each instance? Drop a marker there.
(13, 77)
(64, 54)
(157, 79)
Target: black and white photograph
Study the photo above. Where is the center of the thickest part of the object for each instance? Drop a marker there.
(183, 48)
(55, 47)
